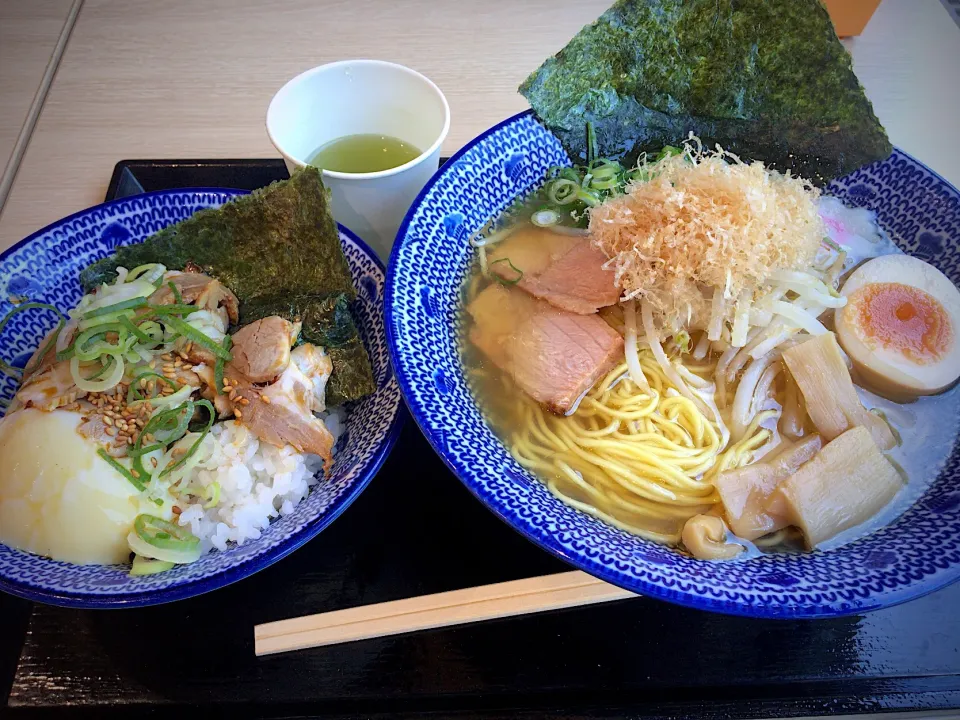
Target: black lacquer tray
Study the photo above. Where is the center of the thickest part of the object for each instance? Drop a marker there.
(417, 530)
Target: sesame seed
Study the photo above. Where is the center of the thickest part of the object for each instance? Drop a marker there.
(153, 461)
(265, 399)
(110, 431)
(176, 510)
(237, 413)
(130, 441)
(108, 421)
(244, 402)
(135, 473)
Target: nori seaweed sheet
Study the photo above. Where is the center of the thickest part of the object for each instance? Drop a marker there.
(327, 322)
(766, 79)
(272, 247)
(281, 237)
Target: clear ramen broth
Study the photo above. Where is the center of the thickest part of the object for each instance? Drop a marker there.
(650, 442)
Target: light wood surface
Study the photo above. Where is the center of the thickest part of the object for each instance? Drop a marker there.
(192, 78)
(28, 33)
(458, 607)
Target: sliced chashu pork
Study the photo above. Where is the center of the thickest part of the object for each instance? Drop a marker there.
(567, 271)
(282, 413)
(197, 289)
(261, 350)
(553, 355)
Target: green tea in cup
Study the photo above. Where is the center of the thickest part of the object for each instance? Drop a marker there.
(363, 153)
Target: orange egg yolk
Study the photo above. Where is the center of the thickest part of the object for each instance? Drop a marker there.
(902, 318)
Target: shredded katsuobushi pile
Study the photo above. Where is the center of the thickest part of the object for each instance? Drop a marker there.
(706, 223)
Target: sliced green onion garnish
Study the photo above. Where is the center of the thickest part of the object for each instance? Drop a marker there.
(121, 469)
(131, 304)
(173, 309)
(151, 272)
(562, 191)
(506, 281)
(91, 344)
(831, 244)
(134, 330)
(164, 535)
(197, 337)
(146, 566)
(213, 492)
(545, 218)
(218, 366)
(106, 366)
(168, 424)
(178, 298)
(17, 372)
(196, 445)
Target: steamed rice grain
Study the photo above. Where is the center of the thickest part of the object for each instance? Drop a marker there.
(258, 483)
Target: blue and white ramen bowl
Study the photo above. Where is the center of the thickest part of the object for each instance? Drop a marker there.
(916, 553)
(45, 267)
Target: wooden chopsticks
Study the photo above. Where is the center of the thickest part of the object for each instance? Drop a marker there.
(486, 602)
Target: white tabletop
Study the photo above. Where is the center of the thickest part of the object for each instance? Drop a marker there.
(28, 33)
(192, 78)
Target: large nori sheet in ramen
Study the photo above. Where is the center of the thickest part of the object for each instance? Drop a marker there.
(766, 79)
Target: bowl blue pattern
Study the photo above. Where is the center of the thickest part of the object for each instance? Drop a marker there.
(916, 554)
(45, 267)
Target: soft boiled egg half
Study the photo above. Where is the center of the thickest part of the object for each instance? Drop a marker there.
(900, 326)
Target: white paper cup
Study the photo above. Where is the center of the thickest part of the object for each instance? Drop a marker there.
(358, 97)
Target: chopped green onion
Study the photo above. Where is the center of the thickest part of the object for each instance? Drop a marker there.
(131, 304)
(175, 309)
(831, 244)
(17, 373)
(96, 384)
(164, 535)
(147, 566)
(218, 366)
(562, 191)
(668, 151)
(196, 445)
(134, 330)
(96, 336)
(213, 490)
(197, 337)
(151, 272)
(178, 298)
(140, 452)
(106, 366)
(169, 424)
(121, 469)
(505, 281)
(545, 218)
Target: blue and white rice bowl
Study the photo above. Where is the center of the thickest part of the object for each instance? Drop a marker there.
(914, 554)
(45, 267)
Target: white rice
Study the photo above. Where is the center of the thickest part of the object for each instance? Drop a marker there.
(258, 483)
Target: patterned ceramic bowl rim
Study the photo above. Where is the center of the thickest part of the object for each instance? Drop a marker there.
(231, 575)
(855, 600)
